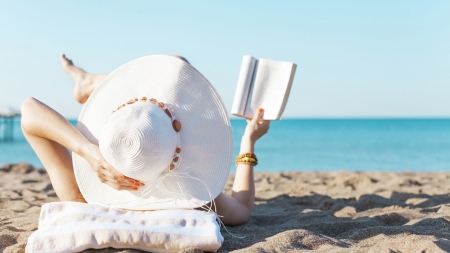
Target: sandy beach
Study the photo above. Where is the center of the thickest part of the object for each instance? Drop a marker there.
(294, 212)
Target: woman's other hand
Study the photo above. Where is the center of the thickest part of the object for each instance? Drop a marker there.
(256, 127)
(107, 173)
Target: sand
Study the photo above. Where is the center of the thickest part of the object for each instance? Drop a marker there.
(294, 212)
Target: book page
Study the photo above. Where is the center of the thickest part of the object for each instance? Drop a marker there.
(272, 82)
(243, 86)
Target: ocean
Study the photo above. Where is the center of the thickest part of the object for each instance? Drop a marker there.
(323, 145)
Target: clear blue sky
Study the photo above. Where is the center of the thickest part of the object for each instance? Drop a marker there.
(355, 58)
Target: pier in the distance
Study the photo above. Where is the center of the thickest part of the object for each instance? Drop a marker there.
(7, 116)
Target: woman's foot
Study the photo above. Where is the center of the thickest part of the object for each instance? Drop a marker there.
(85, 83)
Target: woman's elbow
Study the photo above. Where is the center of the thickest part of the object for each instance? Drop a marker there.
(239, 219)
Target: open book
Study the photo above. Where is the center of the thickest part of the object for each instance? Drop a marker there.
(263, 84)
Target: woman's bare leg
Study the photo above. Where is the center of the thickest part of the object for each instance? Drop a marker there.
(56, 159)
(85, 83)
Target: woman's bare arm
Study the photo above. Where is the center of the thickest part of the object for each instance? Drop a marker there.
(236, 208)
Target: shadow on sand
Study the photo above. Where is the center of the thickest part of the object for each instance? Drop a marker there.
(309, 222)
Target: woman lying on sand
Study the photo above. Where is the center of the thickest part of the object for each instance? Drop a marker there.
(52, 136)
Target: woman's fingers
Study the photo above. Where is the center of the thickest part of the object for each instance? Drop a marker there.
(116, 174)
(132, 181)
(116, 185)
(108, 174)
(258, 115)
(257, 126)
(111, 177)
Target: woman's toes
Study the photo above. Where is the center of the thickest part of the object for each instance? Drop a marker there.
(65, 60)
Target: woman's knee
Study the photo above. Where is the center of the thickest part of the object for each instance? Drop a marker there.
(27, 105)
(26, 110)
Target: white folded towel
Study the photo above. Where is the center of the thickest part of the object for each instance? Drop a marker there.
(74, 227)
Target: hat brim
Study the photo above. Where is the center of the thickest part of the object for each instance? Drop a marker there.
(206, 137)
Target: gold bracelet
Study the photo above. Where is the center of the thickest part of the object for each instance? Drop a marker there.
(247, 158)
(248, 163)
(246, 155)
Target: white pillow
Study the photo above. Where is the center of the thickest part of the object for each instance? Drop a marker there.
(74, 227)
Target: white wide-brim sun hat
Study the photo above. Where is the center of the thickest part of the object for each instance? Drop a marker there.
(140, 139)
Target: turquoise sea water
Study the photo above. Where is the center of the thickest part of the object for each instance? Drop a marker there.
(325, 144)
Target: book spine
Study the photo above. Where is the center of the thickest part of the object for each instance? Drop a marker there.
(243, 86)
